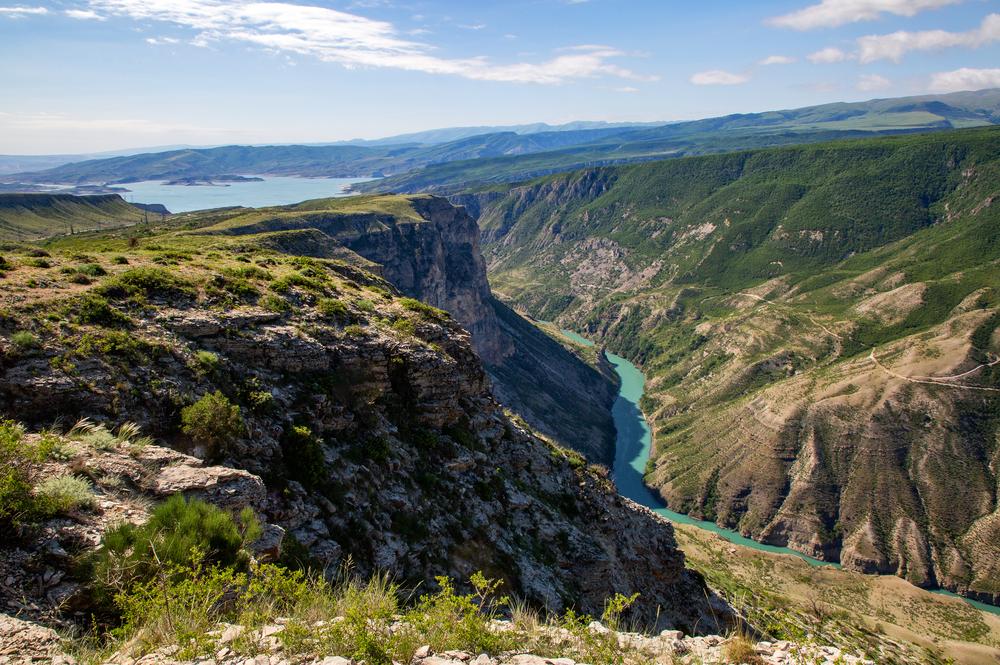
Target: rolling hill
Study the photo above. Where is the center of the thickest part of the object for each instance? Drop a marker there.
(35, 216)
(522, 153)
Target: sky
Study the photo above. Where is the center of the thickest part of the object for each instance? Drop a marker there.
(93, 75)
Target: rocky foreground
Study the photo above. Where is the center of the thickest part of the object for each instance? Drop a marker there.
(25, 642)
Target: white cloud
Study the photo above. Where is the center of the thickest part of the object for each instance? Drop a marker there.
(718, 77)
(828, 55)
(965, 78)
(831, 13)
(894, 46)
(354, 41)
(84, 15)
(627, 89)
(871, 82)
(777, 60)
(19, 11)
(158, 41)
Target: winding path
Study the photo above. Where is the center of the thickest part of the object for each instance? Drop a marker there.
(937, 380)
(929, 380)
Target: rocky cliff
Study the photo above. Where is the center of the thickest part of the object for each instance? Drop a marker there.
(431, 251)
(367, 415)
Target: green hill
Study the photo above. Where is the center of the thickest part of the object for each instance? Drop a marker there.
(423, 162)
(816, 324)
(34, 216)
(812, 124)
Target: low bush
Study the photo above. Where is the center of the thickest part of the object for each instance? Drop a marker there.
(331, 308)
(132, 555)
(24, 340)
(146, 281)
(114, 343)
(206, 361)
(304, 459)
(298, 280)
(96, 310)
(276, 304)
(405, 326)
(62, 494)
(18, 462)
(92, 270)
(414, 305)
(740, 649)
(213, 421)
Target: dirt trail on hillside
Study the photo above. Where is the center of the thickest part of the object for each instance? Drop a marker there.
(938, 380)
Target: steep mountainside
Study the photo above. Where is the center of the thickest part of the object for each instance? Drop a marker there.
(819, 330)
(34, 216)
(429, 249)
(366, 413)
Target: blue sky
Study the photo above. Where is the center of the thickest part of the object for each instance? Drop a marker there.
(89, 75)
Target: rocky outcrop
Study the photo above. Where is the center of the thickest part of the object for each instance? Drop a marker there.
(435, 257)
(403, 461)
(23, 642)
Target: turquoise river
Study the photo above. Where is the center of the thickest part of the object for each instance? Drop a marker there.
(632, 450)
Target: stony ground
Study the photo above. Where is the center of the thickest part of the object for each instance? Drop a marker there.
(22, 642)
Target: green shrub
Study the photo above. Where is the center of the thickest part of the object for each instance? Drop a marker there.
(114, 343)
(61, 494)
(237, 287)
(304, 459)
(213, 421)
(5, 264)
(94, 435)
(405, 326)
(273, 303)
(331, 308)
(206, 361)
(449, 620)
(414, 305)
(18, 462)
(146, 281)
(24, 340)
(261, 401)
(132, 554)
(120, 260)
(295, 279)
(36, 262)
(365, 305)
(92, 270)
(96, 310)
(79, 278)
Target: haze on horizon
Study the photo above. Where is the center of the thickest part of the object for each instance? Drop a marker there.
(95, 75)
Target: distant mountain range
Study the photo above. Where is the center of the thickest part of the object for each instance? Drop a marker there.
(451, 159)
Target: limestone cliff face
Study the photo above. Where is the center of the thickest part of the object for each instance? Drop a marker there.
(435, 257)
(439, 262)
